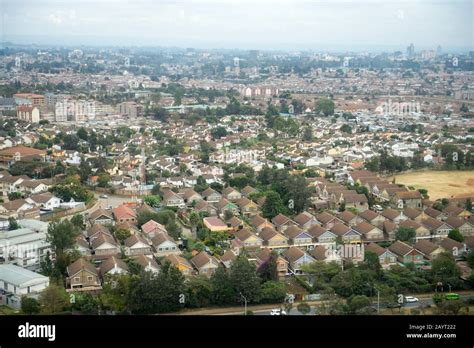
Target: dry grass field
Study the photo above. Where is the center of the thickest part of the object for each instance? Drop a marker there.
(440, 184)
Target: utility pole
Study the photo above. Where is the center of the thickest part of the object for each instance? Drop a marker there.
(245, 303)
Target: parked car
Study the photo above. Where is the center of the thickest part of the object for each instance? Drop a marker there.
(104, 196)
(277, 312)
(378, 208)
(411, 299)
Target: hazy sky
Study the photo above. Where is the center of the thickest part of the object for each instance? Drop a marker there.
(261, 24)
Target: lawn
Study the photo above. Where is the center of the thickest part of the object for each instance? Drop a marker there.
(440, 184)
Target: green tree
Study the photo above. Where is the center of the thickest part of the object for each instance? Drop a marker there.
(61, 235)
(372, 261)
(12, 224)
(405, 234)
(268, 271)
(273, 205)
(325, 106)
(78, 221)
(358, 303)
(244, 279)
(445, 270)
(54, 299)
(103, 180)
(307, 134)
(115, 294)
(346, 128)
(152, 200)
(82, 133)
(30, 305)
(14, 195)
(223, 292)
(303, 308)
(273, 292)
(456, 235)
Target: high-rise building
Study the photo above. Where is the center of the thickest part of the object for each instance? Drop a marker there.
(129, 109)
(411, 51)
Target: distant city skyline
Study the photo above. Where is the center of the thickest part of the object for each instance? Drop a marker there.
(337, 25)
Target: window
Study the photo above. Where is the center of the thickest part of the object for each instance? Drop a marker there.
(77, 279)
(90, 278)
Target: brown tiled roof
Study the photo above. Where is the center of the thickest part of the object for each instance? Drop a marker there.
(432, 223)
(425, 246)
(410, 224)
(112, 262)
(390, 213)
(303, 218)
(340, 229)
(375, 248)
(346, 216)
(369, 215)
(99, 212)
(316, 231)
(449, 244)
(412, 213)
(408, 195)
(432, 212)
(81, 264)
(292, 254)
(319, 252)
(325, 217)
(364, 227)
(400, 248)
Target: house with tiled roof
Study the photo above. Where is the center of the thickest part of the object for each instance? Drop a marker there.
(205, 264)
(406, 253)
(263, 257)
(429, 250)
(386, 257)
(123, 213)
(297, 258)
(82, 274)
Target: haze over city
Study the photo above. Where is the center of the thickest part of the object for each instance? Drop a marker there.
(370, 25)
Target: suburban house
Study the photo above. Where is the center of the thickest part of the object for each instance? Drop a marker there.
(368, 231)
(205, 207)
(457, 249)
(231, 194)
(372, 217)
(282, 222)
(299, 237)
(259, 223)
(102, 217)
(180, 263)
(428, 249)
(46, 201)
(421, 231)
(272, 239)
(434, 213)
(438, 229)
(386, 257)
(247, 207)
(349, 218)
(152, 228)
(124, 213)
(464, 226)
(214, 224)
(164, 245)
(282, 264)
(414, 214)
(190, 197)
(225, 205)
(148, 263)
(172, 199)
(113, 265)
(244, 238)
(405, 253)
(328, 220)
(228, 258)
(322, 235)
(297, 258)
(82, 274)
(96, 231)
(205, 264)
(211, 195)
(410, 199)
(394, 215)
(347, 234)
(326, 253)
(105, 245)
(136, 245)
(306, 220)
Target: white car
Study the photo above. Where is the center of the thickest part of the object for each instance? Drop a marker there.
(277, 312)
(410, 299)
(104, 196)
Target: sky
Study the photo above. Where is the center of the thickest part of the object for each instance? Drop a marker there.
(344, 25)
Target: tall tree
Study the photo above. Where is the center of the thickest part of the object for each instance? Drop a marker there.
(244, 278)
(269, 269)
(223, 291)
(273, 205)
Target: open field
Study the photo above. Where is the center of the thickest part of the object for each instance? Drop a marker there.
(440, 184)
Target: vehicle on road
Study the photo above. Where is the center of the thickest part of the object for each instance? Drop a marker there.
(378, 208)
(104, 196)
(277, 312)
(451, 296)
(411, 299)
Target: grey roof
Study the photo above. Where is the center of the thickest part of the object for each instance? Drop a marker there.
(20, 277)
